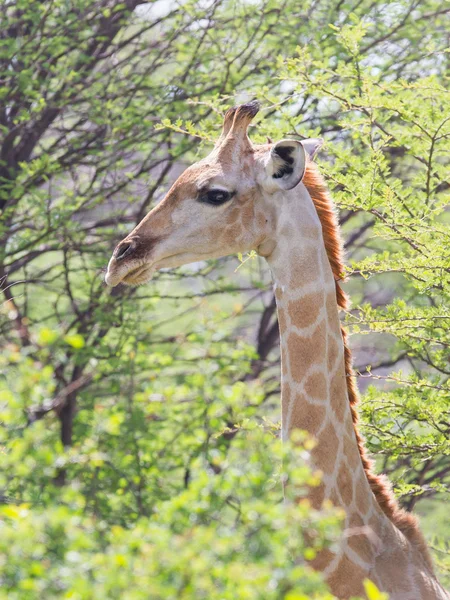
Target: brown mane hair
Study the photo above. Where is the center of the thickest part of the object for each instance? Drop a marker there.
(381, 488)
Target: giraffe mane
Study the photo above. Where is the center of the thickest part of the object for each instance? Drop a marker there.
(406, 522)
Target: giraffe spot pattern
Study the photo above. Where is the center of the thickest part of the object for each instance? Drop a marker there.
(306, 310)
(282, 319)
(345, 484)
(346, 580)
(338, 395)
(305, 267)
(316, 495)
(326, 451)
(310, 418)
(316, 387)
(332, 310)
(322, 560)
(304, 352)
(359, 538)
(351, 451)
(234, 215)
(333, 352)
(362, 501)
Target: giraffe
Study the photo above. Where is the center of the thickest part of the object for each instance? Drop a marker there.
(272, 198)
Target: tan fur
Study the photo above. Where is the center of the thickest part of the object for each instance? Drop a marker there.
(316, 387)
(325, 453)
(304, 351)
(305, 310)
(348, 578)
(309, 420)
(359, 538)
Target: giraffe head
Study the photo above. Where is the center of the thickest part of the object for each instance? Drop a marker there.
(224, 204)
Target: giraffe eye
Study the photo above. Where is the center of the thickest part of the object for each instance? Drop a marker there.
(216, 197)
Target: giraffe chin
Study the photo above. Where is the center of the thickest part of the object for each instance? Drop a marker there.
(138, 276)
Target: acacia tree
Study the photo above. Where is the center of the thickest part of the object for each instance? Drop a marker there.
(82, 85)
(131, 404)
(388, 166)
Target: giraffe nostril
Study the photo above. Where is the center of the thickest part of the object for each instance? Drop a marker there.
(123, 251)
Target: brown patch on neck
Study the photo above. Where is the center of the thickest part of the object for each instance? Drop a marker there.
(404, 521)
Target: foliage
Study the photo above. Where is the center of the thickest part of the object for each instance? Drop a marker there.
(395, 173)
(128, 419)
(227, 534)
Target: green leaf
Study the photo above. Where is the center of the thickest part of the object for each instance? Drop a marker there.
(75, 340)
(47, 336)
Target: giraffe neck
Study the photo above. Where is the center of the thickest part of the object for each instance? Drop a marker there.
(313, 380)
(315, 398)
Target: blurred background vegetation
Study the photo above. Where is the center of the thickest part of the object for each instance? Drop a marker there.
(139, 427)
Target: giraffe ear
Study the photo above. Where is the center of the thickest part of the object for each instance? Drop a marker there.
(287, 161)
(286, 165)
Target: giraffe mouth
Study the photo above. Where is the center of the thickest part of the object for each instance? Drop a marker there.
(135, 276)
(141, 274)
(138, 274)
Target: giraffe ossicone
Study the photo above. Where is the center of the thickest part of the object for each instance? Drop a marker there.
(271, 198)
